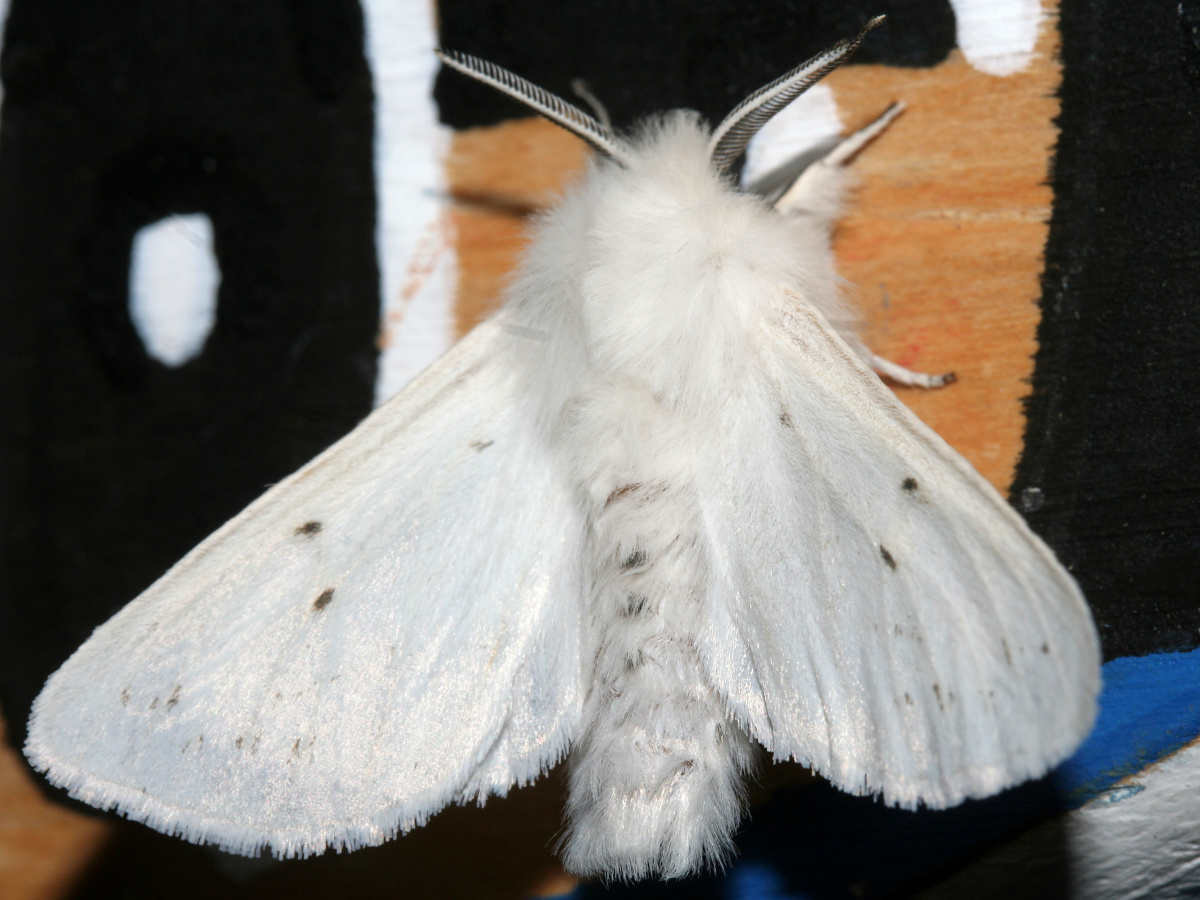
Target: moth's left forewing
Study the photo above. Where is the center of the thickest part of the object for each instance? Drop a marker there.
(877, 610)
(390, 629)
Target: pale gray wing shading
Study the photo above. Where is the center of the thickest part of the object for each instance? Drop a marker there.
(393, 628)
(878, 611)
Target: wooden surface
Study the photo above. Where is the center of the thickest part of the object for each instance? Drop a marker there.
(944, 244)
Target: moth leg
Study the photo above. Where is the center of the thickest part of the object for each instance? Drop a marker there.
(850, 145)
(906, 377)
(812, 188)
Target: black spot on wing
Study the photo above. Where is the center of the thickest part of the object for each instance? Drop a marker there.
(635, 604)
(322, 601)
(188, 743)
(309, 529)
(887, 557)
(909, 484)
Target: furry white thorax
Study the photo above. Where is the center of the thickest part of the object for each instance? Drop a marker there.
(663, 273)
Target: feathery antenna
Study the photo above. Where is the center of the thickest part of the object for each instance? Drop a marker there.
(734, 133)
(553, 107)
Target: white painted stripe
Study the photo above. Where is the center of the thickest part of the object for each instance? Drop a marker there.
(3, 22)
(1141, 839)
(997, 36)
(418, 267)
(173, 282)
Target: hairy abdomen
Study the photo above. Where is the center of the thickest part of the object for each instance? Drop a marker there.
(656, 785)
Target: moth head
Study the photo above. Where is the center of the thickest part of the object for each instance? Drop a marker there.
(729, 139)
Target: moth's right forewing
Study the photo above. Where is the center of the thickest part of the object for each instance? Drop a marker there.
(392, 628)
(878, 611)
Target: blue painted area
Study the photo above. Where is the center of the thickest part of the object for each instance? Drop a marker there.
(1149, 708)
(758, 881)
(813, 842)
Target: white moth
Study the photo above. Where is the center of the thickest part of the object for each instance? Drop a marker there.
(656, 510)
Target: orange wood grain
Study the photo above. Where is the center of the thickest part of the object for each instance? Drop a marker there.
(945, 239)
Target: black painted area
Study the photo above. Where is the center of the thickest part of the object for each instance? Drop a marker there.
(116, 114)
(643, 57)
(818, 842)
(1111, 470)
